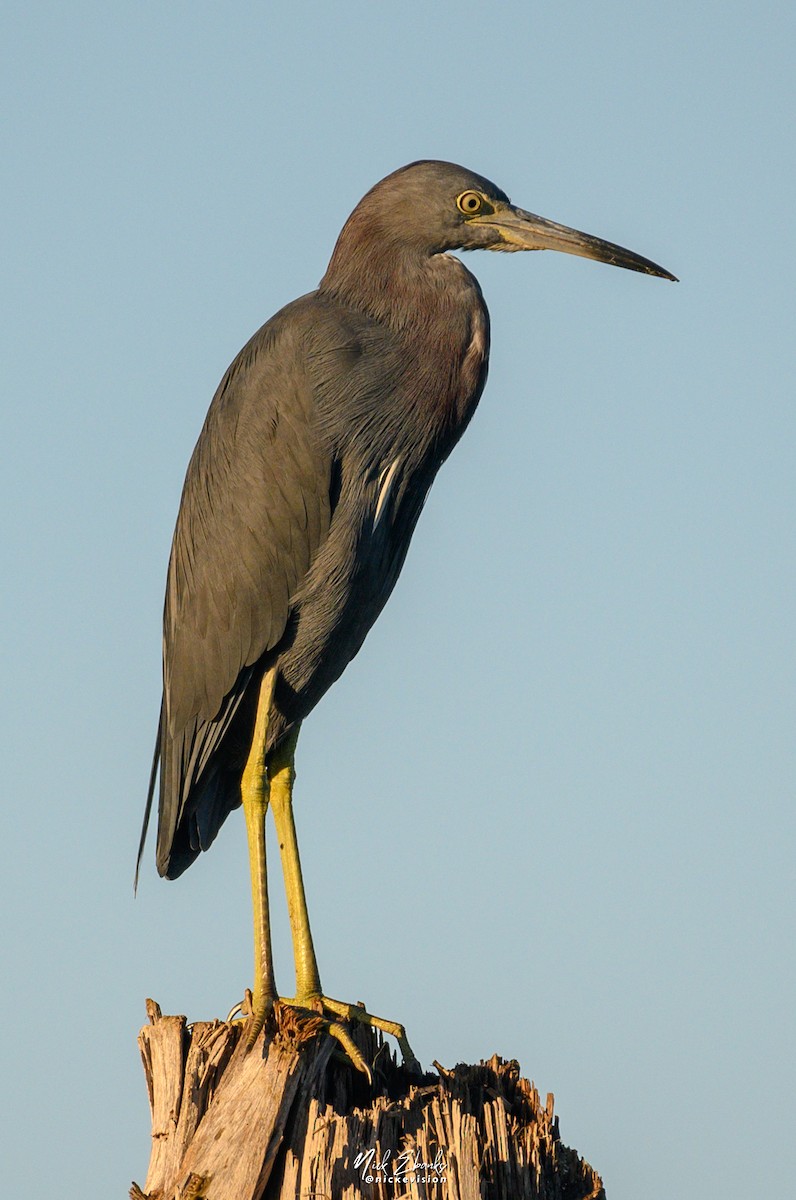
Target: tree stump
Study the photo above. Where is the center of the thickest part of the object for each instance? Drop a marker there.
(288, 1120)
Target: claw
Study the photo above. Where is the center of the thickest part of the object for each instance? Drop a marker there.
(351, 1051)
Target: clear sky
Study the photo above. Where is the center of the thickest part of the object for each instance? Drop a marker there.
(548, 811)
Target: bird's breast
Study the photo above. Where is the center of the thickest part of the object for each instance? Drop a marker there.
(476, 356)
(459, 343)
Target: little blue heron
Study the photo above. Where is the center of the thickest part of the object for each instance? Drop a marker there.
(299, 504)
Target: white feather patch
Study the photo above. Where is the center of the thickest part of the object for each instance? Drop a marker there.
(386, 480)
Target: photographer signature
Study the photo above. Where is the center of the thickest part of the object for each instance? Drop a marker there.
(407, 1167)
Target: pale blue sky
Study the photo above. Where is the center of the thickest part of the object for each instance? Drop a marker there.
(548, 811)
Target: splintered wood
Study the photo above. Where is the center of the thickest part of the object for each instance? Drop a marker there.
(287, 1121)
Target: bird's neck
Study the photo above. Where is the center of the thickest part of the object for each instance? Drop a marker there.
(386, 277)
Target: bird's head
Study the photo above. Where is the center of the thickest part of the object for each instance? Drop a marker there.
(429, 207)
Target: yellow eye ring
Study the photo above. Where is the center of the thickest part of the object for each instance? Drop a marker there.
(469, 203)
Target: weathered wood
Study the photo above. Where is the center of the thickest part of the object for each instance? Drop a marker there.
(289, 1121)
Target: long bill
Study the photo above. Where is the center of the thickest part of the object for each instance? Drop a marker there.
(520, 230)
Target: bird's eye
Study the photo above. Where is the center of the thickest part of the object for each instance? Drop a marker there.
(469, 203)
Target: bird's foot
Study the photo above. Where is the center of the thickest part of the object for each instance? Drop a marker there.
(255, 1012)
(336, 1015)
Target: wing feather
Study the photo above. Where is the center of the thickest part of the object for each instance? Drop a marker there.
(255, 508)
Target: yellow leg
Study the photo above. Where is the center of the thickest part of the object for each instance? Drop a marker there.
(254, 794)
(282, 773)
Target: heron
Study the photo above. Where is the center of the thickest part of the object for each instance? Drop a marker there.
(299, 504)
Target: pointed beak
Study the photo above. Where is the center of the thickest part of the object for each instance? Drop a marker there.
(520, 230)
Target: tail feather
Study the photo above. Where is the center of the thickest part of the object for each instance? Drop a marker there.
(198, 790)
(150, 793)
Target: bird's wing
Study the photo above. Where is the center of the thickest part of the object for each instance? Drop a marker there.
(254, 509)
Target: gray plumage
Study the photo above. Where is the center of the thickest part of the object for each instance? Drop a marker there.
(309, 476)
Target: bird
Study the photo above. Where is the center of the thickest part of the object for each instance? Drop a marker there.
(299, 504)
